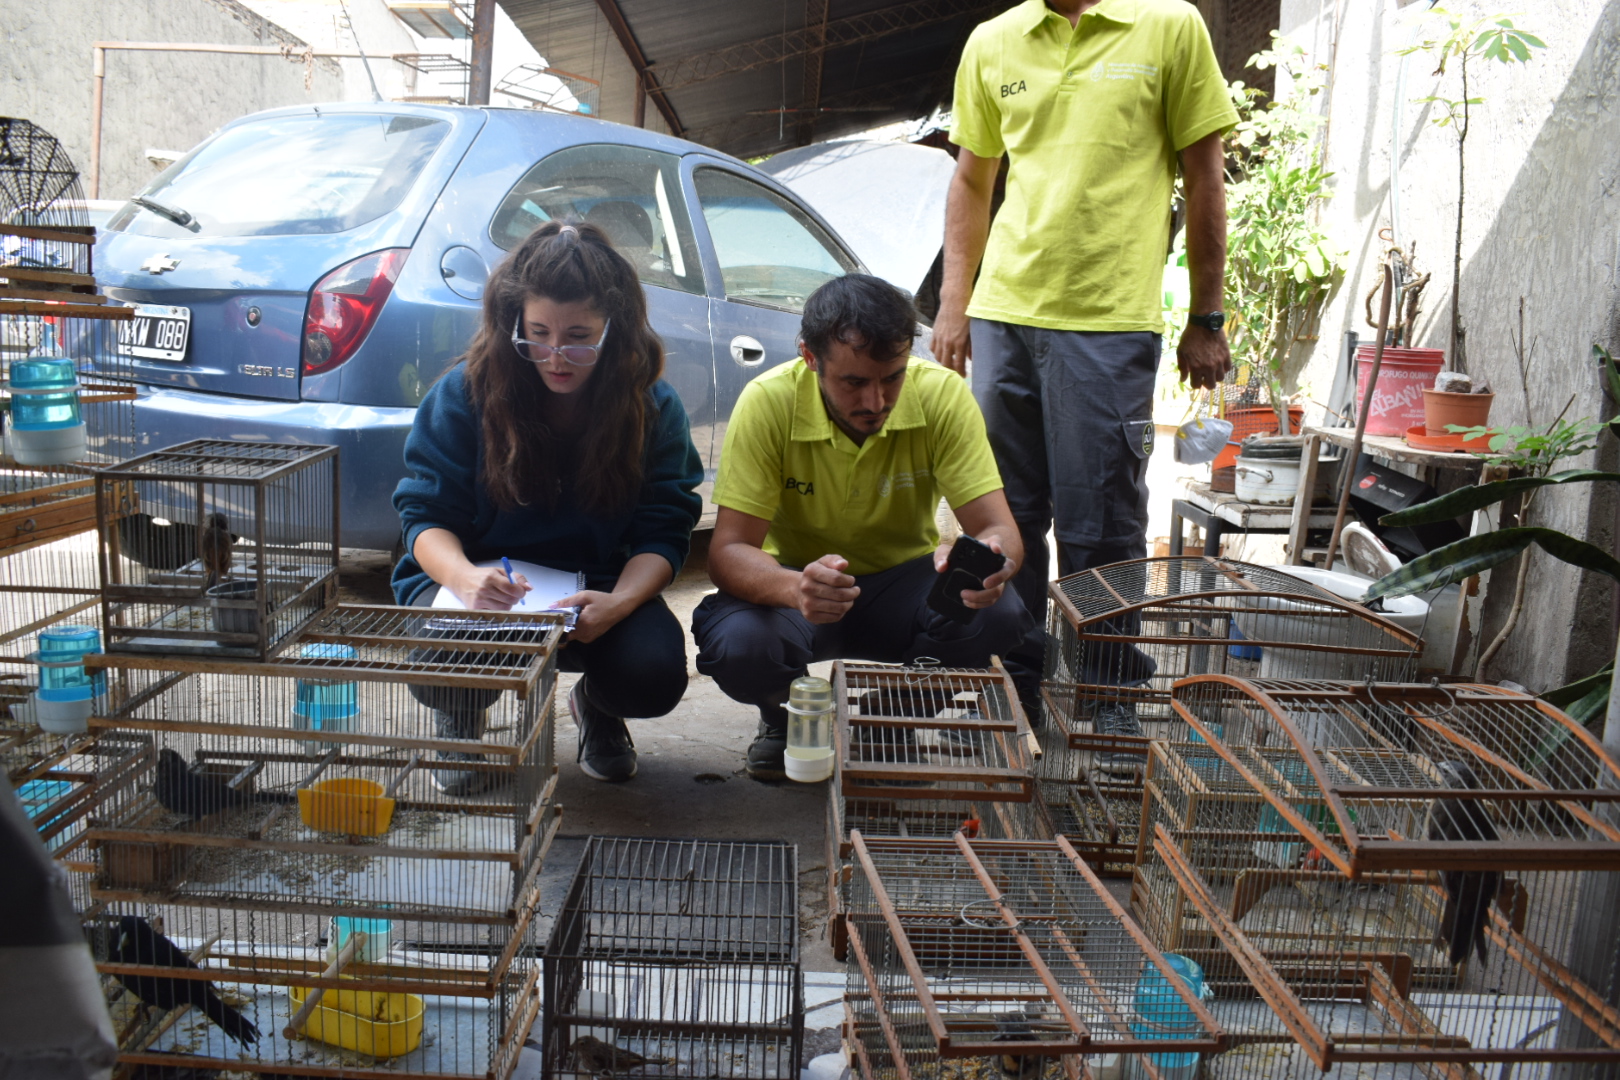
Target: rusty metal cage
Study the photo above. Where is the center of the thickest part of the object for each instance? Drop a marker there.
(411, 996)
(1006, 951)
(389, 775)
(1120, 635)
(390, 761)
(682, 954)
(924, 732)
(1443, 855)
(248, 558)
(1095, 810)
(1354, 1009)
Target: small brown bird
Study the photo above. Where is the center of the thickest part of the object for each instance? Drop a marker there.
(604, 1059)
(214, 547)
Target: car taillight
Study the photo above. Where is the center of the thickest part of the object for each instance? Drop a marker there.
(344, 305)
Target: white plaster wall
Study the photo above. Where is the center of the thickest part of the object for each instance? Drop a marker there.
(1543, 222)
(162, 100)
(378, 32)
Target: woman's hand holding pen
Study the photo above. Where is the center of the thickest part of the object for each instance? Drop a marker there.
(489, 588)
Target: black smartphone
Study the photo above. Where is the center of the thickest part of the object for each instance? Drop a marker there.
(970, 563)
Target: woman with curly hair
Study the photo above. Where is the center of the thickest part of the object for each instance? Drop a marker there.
(555, 441)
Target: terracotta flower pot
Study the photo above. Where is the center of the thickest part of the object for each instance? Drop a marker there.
(1254, 420)
(1442, 409)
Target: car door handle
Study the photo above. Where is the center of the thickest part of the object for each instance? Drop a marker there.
(747, 351)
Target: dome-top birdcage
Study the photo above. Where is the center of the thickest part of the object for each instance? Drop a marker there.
(38, 184)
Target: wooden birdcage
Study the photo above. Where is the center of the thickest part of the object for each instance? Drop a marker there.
(391, 772)
(989, 950)
(682, 953)
(252, 561)
(1439, 857)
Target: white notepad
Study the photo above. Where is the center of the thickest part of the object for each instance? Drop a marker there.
(546, 587)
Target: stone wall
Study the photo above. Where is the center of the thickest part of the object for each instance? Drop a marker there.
(1542, 223)
(157, 100)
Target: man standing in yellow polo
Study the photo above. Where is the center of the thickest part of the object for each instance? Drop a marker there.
(1093, 102)
(825, 545)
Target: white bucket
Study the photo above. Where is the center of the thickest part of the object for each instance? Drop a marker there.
(1267, 481)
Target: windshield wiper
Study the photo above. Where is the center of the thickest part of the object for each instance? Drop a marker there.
(173, 213)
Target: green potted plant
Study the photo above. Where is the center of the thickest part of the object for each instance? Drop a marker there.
(1281, 265)
(1462, 40)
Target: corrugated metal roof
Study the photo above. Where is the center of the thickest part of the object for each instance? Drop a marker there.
(735, 69)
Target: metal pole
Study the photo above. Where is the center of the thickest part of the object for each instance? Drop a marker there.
(1349, 471)
(483, 47)
(98, 72)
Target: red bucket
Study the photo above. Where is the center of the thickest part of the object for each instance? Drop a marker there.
(1406, 373)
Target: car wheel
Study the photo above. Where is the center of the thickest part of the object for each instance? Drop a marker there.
(154, 546)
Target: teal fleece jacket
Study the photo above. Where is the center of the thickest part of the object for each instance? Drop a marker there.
(444, 490)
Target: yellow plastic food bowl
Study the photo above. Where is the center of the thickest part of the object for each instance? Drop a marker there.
(349, 805)
(378, 1024)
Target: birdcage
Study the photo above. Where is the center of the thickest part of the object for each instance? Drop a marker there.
(42, 584)
(1351, 1009)
(676, 958)
(307, 992)
(249, 557)
(59, 796)
(1459, 839)
(390, 760)
(1096, 811)
(930, 733)
(1121, 635)
(1011, 950)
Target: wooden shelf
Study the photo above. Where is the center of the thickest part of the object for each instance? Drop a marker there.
(1389, 448)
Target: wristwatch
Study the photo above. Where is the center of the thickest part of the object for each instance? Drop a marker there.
(1213, 321)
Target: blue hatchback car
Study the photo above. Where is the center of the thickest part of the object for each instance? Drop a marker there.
(305, 274)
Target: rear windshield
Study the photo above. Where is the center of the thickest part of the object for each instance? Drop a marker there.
(288, 174)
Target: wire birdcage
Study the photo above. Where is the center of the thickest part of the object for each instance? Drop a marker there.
(1351, 1009)
(390, 775)
(1119, 636)
(249, 559)
(1095, 810)
(677, 956)
(922, 732)
(60, 795)
(1442, 855)
(1008, 951)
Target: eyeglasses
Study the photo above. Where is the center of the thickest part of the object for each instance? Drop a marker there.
(539, 352)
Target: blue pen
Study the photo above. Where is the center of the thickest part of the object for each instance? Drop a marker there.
(506, 564)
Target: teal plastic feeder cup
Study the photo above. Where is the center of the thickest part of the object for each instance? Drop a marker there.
(67, 692)
(373, 950)
(326, 704)
(1163, 1014)
(47, 427)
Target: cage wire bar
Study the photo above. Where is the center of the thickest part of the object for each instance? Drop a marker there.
(924, 732)
(1346, 1009)
(1009, 950)
(1119, 636)
(285, 808)
(681, 956)
(1422, 879)
(250, 559)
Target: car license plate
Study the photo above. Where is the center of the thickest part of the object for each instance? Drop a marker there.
(156, 332)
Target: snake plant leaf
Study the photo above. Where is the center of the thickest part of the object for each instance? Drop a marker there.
(1472, 555)
(1572, 692)
(1467, 499)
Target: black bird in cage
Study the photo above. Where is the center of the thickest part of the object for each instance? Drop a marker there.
(214, 541)
(138, 943)
(1469, 893)
(1014, 1027)
(183, 790)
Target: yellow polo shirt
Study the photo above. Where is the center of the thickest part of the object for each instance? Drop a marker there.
(784, 460)
(1091, 118)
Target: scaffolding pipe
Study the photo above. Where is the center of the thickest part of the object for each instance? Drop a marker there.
(483, 48)
(98, 72)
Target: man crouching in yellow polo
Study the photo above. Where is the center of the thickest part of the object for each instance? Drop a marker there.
(825, 546)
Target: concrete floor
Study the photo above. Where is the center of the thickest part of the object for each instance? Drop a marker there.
(691, 781)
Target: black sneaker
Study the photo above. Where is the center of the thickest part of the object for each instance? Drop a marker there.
(767, 752)
(1118, 718)
(460, 783)
(605, 750)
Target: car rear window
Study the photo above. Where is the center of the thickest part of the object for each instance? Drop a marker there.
(311, 173)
